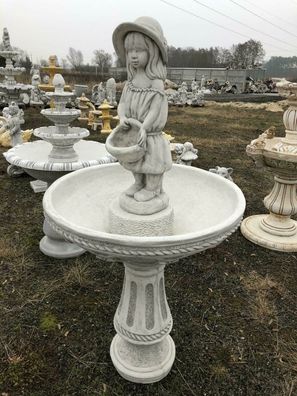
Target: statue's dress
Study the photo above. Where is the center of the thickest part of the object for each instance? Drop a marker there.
(138, 104)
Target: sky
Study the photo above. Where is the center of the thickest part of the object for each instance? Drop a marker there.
(47, 27)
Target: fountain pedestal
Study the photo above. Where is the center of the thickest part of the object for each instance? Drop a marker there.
(143, 351)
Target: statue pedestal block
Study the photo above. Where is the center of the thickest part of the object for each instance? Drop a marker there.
(124, 223)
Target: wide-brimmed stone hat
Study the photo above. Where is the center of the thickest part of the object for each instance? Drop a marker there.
(146, 25)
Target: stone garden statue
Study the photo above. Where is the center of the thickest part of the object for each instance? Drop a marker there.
(186, 153)
(182, 94)
(98, 94)
(111, 92)
(6, 40)
(194, 86)
(202, 82)
(143, 111)
(222, 171)
(15, 118)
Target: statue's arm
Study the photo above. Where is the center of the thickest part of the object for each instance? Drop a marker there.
(121, 105)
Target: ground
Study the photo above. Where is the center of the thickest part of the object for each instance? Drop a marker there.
(234, 307)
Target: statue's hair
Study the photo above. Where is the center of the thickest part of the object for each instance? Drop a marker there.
(155, 68)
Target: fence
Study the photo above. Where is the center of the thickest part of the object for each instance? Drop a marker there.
(179, 74)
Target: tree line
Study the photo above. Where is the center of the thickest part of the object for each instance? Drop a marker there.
(249, 54)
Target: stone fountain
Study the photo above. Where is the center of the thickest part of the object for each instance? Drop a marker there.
(12, 89)
(276, 230)
(149, 224)
(51, 70)
(60, 151)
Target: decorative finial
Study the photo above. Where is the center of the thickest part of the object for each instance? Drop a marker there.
(58, 83)
(6, 40)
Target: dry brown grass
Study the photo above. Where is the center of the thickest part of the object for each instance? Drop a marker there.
(8, 249)
(261, 303)
(78, 274)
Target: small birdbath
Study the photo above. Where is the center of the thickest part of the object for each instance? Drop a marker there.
(276, 230)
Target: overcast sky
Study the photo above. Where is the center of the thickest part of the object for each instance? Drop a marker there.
(46, 27)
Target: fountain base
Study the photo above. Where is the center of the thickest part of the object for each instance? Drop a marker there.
(143, 364)
(53, 245)
(253, 229)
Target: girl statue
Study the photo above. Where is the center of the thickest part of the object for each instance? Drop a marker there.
(143, 46)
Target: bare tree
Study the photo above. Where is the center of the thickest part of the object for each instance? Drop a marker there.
(75, 58)
(103, 60)
(247, 54)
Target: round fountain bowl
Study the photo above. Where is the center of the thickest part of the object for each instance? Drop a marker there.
(57, 117)
(33, 158)
(207, 209)
(49, 134)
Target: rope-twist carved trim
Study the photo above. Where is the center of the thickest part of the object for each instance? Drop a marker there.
(143, 338)
(104, 248)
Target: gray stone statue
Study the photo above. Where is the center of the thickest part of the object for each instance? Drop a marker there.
(186, 153)
(98, 94)
(143, 111)
(111, 91)
(222, 171)
(6, 40)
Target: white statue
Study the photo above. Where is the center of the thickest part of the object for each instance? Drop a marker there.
(186, 153)
(182, 93)
(222, 171)
(202, 81)
(15, 118)
(36, 79)
(111, 91)
(194, 86)
(46, 79)
(143, 110)
(6, 40)
(98, 94)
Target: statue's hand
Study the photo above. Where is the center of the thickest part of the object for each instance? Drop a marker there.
(142, 138)
(125, 124)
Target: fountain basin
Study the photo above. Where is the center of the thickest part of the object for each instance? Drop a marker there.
(207, 209)
(57, 117)
(32, 157)
(49, 133)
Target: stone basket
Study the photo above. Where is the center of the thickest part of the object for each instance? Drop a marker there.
(122, 144)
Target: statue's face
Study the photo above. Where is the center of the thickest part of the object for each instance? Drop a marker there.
(137, 54)
(138, 57)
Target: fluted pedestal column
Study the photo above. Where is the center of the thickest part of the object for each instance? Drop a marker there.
(275, 230)
(143, 351)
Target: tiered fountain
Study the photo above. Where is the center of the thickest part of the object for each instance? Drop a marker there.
(145, 232)
(12, 89)
(51, 70)
(276, 230)
(60, 151)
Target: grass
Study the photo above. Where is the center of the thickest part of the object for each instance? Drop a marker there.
(234, 306)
